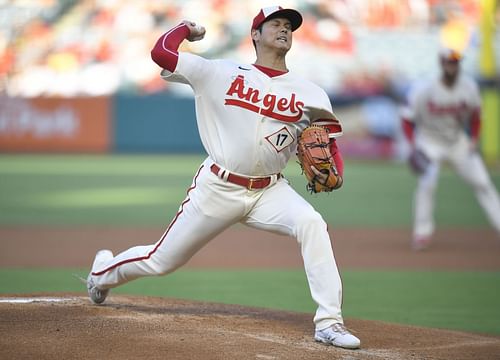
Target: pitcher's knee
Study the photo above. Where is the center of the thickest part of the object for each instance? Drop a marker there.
(310, 219)
(164, 266)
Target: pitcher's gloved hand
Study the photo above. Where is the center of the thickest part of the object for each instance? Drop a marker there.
(418, 161)
(316, 160)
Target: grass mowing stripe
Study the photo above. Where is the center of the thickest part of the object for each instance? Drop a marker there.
(465, 301)
(109, 165)
(105, 197)
(374, 194)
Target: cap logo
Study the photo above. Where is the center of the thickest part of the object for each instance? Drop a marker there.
(270, 10)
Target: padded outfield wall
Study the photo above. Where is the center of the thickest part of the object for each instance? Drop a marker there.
(124, 123)
(163, 123)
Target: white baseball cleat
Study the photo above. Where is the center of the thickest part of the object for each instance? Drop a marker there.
(337, 335)
(97, 296)
(420, 243)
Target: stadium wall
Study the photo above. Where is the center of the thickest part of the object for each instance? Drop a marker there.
(162, 123)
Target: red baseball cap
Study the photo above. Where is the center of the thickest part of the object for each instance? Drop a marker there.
(272, 12)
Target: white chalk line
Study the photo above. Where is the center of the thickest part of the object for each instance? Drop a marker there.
(29, 300)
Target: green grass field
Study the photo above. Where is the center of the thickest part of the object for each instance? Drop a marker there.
(146, 190)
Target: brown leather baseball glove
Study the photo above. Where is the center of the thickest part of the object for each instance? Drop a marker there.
(317, 163)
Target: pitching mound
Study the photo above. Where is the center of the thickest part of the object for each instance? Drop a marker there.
(69, 327)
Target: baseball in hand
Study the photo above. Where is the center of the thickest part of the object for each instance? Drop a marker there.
(200, 30)
(197, 33)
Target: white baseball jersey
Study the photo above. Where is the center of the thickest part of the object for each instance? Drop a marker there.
(235, 101)
(440, 113)
(249, 124)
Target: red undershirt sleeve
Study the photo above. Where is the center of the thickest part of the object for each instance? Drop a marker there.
(475, 125)
(409, 130)
(165, 52)
(337, 157)
(333, 127)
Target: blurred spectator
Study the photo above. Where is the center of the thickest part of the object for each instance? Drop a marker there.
(99, 47)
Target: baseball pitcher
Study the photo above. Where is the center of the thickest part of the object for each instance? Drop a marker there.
(442, 123)
(250, 117)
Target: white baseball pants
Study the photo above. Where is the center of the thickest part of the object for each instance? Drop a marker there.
(469, 165)
(213, 205)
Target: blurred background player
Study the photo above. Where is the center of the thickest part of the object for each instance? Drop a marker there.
(442, 121)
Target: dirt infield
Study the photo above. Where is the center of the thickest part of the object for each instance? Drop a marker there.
(155, 328)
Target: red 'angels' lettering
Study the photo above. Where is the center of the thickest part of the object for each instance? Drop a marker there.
(250, 98)
(452, 109)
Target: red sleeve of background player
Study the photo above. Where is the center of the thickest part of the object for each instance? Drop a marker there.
(165, 52)
(409, 130)
(475, 124)
(337, 157)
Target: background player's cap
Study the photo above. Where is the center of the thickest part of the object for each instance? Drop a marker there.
(449, 54)
(272, 12)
